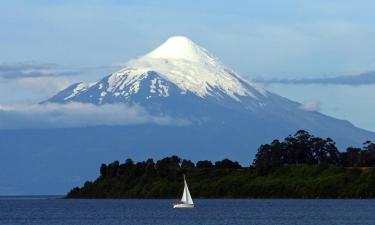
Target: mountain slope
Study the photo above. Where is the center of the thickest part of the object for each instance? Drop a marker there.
(177, 68)
(182, 79)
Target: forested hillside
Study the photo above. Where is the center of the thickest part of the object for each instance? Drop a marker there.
(300, 166)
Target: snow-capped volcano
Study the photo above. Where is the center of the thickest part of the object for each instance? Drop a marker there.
(178, 67)
(181, 79)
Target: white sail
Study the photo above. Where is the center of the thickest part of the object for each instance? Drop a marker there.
(186, 200)
(186, 197)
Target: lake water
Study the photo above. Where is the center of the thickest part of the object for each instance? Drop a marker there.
(30, 211)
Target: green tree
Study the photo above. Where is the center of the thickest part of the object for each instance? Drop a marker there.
(350, 158)
(150, 168)
(128, 168)
(187, 165)
(204, 164)
(103, 170)
(168, 167)
(227, 164)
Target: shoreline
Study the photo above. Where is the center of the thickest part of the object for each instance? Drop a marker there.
(41, 197)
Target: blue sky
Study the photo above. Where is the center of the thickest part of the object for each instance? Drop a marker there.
(71, 41)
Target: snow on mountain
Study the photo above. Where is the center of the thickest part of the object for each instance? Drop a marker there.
(177, 62)
(78, 88)
(182, 79)
(191, 68)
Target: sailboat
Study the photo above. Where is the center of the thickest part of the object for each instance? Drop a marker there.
(186, 200)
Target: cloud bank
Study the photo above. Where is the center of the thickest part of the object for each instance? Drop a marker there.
(310, 106)
(35, 79)
(78, 115)
(362, 79)
(28, 70)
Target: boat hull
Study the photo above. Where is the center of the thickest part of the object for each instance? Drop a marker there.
(181, 206)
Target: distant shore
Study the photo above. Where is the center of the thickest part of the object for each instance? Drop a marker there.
(303, 181)
(5, 197)
(301, 166)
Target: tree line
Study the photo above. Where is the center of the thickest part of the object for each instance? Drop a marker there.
(304, 148)
(300, 166)
(300, 148)
(168, 167)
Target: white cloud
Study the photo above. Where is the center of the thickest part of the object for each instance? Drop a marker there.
(77, 115)
(45, 85)
(310, 106)
(367, 78)
(36, 79)
(19, 70)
